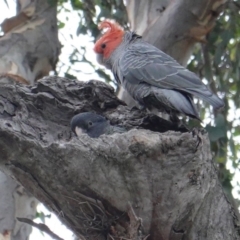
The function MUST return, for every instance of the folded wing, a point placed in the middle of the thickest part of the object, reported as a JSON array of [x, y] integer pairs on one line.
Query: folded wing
[[143, 62]]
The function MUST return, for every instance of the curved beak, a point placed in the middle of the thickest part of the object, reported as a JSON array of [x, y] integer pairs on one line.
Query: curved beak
[[79, 131], [100, 58]]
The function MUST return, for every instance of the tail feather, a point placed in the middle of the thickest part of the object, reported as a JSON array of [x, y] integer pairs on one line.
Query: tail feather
[[210, 98], [193, 85], [178, 101]]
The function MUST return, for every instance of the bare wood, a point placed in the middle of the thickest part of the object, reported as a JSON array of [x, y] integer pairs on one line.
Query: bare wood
[[12, 78], [172, 187]]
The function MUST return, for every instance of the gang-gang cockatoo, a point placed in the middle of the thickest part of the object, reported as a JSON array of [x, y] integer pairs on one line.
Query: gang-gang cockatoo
[[151, 77]]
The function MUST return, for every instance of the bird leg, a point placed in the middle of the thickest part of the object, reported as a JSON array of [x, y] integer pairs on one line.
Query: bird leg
[[173, 117]]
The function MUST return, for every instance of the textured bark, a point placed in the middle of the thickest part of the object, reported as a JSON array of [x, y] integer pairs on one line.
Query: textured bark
[[29, 49], [173, 26], [15, 202], [124, 185]]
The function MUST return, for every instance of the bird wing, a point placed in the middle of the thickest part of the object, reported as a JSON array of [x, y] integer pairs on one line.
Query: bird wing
[[143, 62]]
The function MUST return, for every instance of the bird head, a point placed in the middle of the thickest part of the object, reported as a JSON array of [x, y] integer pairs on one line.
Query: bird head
[[90, 123], [109, 41]]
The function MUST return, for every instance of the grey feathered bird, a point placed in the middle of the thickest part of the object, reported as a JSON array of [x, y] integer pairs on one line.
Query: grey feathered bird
[[151, 77], [93, 124]]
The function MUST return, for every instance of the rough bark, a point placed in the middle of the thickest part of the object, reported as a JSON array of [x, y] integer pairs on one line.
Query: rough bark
[[136, 184], [29, 49], [15, 202], [172, 26]]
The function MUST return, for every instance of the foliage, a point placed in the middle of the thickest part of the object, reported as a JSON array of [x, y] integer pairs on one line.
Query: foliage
[[218, 61], [42, 216], [90, 12]]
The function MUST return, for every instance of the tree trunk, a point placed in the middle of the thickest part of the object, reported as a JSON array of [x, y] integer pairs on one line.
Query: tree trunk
[[136, 184], [28, 51], [172, 26], [30, 46], [15, 202]]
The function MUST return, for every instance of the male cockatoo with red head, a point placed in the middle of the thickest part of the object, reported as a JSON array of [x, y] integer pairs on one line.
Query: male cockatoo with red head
[[151, 77]]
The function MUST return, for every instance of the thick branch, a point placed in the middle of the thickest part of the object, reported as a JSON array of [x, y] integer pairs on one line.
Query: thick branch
[[172, 189], [29, 49]]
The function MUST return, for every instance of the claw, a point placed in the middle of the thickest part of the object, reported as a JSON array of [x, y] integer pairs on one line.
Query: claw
[[198, 132]]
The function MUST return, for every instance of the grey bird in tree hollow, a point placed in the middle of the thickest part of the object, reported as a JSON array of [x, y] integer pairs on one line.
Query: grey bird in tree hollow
[[93, 124], [151, 77]]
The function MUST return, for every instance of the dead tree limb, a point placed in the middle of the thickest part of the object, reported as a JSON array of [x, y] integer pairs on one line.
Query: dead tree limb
[[172, 189]]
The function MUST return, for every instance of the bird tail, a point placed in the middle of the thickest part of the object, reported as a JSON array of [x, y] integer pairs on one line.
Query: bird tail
[[180, 102], [200, 90], [210, 98]]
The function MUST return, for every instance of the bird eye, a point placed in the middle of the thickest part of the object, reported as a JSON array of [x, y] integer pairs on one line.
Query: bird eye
[[90, 123], [103, 45]]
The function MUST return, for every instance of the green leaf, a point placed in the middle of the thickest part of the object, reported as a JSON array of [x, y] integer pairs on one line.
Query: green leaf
[[77, 5], [103, 75], [61, 25], [69, 76], [232, 147], [215, 133], [42, 216]]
